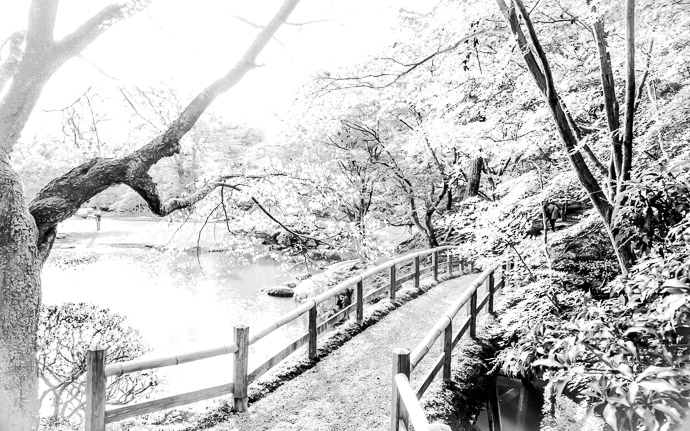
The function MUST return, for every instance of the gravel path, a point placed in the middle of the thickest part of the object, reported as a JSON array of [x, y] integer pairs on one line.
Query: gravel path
[[351, 388]]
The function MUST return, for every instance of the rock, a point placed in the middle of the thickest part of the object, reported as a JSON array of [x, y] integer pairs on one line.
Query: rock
[[280, 291], [302, 277], [290, 284]]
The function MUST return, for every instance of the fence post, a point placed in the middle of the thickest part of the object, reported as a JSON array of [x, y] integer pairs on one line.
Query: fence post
[[491, 292], [240, 368], [504, 269], [447, 351], [360, 301], [434, 262], [473, 315], [95, 388], [462, 266], [393, 283], [401, 364], [312, 332], [450, 263], [416, 271]]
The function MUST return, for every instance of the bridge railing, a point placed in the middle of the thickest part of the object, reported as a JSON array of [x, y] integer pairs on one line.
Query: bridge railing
[[98, 371], [405, 408]]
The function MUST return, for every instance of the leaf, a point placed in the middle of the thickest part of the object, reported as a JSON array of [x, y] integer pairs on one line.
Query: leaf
[[610, 416], [551, 363], [674, 282], [670, 412], [658, 386]]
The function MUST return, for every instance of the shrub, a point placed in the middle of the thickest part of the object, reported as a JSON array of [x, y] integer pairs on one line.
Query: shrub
[[65, 334]]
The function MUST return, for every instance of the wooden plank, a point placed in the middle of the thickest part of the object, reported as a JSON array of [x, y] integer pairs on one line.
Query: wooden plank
[[375, 293], [393, 283], [127, 412], [483, 302], [263, 368], [337, 317], [473, 315], [121, 368], [447, 351], [408, 398], [239, 372], [313, 334], [492, 289], [360, 302], [405, 278], [461, 332], [429, 376], [434, 265], [401, 365], [95, 389]]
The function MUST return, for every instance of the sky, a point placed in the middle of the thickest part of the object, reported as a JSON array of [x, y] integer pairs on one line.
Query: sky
[[186, 44]]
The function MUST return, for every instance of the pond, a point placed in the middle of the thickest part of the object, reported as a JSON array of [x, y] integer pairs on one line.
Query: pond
[[179, 302]]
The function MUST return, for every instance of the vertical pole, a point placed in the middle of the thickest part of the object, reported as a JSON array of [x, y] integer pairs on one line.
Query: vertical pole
[[491, 292], [504, 270], [393, 283], [473, 315], [450, 263], [401, 364], [240, 368], [434, 262], [447, 351], [462, 266], [312, 332], [95, 388], [360, 301], [416, 271]]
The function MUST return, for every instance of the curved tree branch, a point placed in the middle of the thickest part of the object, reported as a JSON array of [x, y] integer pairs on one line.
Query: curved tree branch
[[63, 196]]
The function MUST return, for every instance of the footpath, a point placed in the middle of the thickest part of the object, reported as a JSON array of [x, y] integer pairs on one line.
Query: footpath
[[350, 389]]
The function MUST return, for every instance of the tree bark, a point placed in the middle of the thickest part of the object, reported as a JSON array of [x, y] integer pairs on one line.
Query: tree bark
[[474, 176], [20, 286]]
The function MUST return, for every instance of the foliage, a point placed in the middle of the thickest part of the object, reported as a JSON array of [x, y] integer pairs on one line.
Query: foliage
[[66, 332], [623, 351]]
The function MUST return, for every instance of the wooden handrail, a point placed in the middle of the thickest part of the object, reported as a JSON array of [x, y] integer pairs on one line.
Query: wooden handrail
[[97, 416], [401, 384], [409, 399], [121, 368]]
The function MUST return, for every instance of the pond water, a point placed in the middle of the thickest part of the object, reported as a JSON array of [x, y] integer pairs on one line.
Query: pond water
[[178, 302]]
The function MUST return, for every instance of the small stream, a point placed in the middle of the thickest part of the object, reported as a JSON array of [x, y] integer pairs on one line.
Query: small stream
[[178, 303]]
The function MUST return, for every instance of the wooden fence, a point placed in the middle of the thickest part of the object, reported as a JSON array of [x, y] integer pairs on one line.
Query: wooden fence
[[406, 409], [98, 370]]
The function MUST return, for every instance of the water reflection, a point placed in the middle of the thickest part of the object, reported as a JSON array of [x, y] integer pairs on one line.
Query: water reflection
[[177, 304]]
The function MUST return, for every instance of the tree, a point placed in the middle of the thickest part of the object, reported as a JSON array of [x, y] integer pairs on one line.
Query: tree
[[29, 230], [608, 202]]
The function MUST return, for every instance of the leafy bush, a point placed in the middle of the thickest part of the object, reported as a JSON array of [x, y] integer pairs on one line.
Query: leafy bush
[[65, 334], [623, 352]]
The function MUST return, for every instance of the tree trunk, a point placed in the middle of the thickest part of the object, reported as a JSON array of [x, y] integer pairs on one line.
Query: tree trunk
[[430, 231], [474, 176], [20, 286]]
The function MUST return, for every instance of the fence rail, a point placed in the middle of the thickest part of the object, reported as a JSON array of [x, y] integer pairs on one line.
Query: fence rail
[[406, 409], [98, 371]]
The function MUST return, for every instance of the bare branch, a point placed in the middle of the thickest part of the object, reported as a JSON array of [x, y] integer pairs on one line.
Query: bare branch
[[15, 53], [75, 42]]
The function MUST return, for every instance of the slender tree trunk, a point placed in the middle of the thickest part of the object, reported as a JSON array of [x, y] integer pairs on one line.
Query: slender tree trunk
[[474, 177], [20, 286], [430, 231]]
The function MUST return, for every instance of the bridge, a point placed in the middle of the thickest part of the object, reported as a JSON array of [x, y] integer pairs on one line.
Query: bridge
[[373, 382]]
